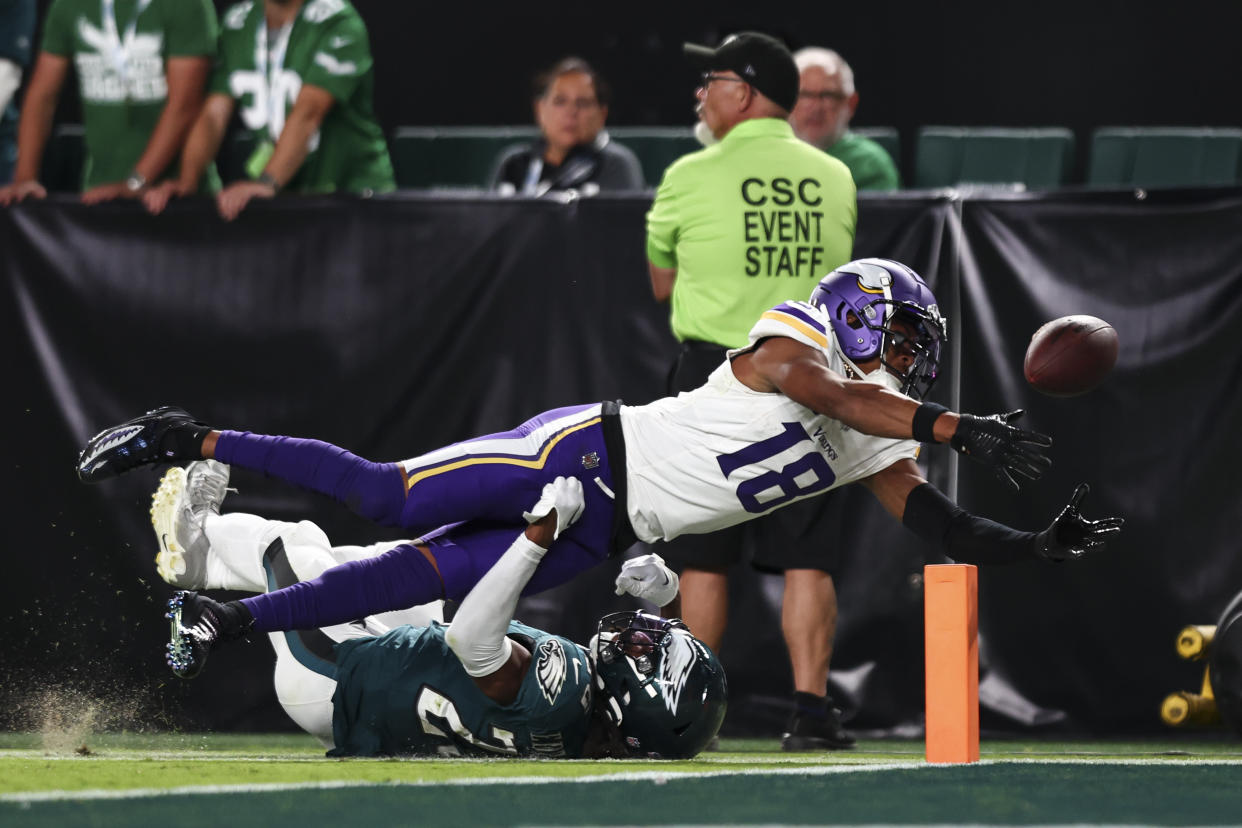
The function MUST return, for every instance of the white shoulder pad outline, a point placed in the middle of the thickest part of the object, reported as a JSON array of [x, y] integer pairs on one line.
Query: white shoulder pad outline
[[800, 321]]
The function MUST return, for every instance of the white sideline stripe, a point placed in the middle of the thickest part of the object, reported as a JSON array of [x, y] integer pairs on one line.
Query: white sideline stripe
[[807, 759], [657, 777]]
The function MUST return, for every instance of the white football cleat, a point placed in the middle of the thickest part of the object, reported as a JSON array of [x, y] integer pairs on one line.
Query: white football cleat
[[179, 511]]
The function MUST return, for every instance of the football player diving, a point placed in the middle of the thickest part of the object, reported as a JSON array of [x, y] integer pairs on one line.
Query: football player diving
[[827, 392], [482, 685]]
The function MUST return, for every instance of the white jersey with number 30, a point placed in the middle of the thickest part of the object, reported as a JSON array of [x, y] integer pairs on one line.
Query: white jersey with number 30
[[724, 453]]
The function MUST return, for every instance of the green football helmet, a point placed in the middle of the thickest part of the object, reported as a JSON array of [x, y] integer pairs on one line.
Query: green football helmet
[[665, 689]]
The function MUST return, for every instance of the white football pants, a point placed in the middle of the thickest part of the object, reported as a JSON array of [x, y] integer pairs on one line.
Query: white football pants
[[235, 560]]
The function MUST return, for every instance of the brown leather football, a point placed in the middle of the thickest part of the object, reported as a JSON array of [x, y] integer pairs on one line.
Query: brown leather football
[[1071, 355]]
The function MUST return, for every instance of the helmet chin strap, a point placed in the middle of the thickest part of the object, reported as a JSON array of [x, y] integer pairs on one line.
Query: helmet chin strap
[[885, 377]]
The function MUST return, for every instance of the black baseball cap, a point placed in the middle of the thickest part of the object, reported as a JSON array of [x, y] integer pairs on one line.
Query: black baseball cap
[[760, 60]]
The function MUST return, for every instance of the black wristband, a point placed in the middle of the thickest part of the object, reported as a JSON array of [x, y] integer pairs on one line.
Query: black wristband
[[268, 179], [924, 423]]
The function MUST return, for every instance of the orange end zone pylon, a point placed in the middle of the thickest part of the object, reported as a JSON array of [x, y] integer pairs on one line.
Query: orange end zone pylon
[[951, 651]]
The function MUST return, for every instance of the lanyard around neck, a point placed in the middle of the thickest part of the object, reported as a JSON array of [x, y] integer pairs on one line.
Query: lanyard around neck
[[120, 45], [270, 63]]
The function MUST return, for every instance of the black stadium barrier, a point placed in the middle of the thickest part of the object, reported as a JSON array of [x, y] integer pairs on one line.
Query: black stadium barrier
[[394, 325]]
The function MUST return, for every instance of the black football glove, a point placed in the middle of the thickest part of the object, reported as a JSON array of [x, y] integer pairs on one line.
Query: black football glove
[[1009, 450], [1071, 535]]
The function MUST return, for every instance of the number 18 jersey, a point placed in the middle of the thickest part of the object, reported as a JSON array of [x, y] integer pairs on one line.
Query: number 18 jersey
[[724, 453]]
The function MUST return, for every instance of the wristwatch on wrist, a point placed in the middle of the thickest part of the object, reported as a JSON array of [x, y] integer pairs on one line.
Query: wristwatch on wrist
[[268, 179], [136, 181]]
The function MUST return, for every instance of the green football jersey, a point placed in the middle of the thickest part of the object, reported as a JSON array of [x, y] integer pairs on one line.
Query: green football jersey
[[119, 48], [407, 693], [325, 46]]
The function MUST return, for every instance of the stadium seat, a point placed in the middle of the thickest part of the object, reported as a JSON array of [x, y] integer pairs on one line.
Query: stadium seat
[[63, 159], [1152, 157], [656, 147], [886, 137], [424, 157], [1035, 158]]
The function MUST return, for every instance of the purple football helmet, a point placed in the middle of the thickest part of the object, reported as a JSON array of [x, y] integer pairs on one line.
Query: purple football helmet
[[879, 291]]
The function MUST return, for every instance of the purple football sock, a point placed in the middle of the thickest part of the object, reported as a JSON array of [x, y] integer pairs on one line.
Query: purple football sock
[[395, 580], [373, 490]]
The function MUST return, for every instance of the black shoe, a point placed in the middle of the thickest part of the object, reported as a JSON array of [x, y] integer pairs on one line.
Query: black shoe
[[807, 732], [138, 442], [198, 625]]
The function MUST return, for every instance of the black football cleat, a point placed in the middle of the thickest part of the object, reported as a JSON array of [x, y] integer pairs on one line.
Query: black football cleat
[[199, 624], [138, 442], [807, 732], [195, 630]]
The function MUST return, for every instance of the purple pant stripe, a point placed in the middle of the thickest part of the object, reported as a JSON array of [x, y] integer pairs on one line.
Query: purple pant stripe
[[373, 490], [395, 580]]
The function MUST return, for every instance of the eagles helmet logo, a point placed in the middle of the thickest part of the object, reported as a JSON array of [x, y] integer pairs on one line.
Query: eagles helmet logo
[[551, 668], [675, 667]]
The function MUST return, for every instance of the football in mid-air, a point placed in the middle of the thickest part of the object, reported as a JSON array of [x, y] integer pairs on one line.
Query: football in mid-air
[[1071, 355]]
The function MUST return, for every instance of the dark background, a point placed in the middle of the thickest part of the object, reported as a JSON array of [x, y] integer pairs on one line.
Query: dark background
[[974, 63], [394, 325], [107, 312]]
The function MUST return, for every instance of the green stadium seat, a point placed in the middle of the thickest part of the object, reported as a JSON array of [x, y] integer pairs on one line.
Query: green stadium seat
[[424, 157], [1036, 158], [1152, 157], [656, 147], [887, 137], [63, 159]]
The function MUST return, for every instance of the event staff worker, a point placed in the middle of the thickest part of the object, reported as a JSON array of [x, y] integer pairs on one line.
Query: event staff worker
[[739, 227], [142, 67], [827, 101], [301, 74]]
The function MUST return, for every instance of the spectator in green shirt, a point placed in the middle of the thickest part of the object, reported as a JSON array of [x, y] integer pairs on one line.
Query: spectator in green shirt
[[142, 66], [827, 101], [301, 74]]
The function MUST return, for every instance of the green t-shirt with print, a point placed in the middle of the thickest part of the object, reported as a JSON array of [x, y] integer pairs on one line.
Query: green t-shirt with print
[[119, 59], [869, 163], [751, 222], [325, 46]]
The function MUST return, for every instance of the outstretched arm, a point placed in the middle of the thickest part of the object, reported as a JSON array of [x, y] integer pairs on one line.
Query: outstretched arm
[[478, 634], [801, 373], [968, 538]]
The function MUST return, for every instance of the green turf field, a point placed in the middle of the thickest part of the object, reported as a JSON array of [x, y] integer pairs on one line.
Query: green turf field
[[274, 780]]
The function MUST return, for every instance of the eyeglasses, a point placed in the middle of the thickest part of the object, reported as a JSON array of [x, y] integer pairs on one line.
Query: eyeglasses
[[708, 77], [837, 97], [579, 104]]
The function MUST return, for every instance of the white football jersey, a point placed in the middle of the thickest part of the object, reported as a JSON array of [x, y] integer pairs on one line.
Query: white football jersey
[[724, 453]]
